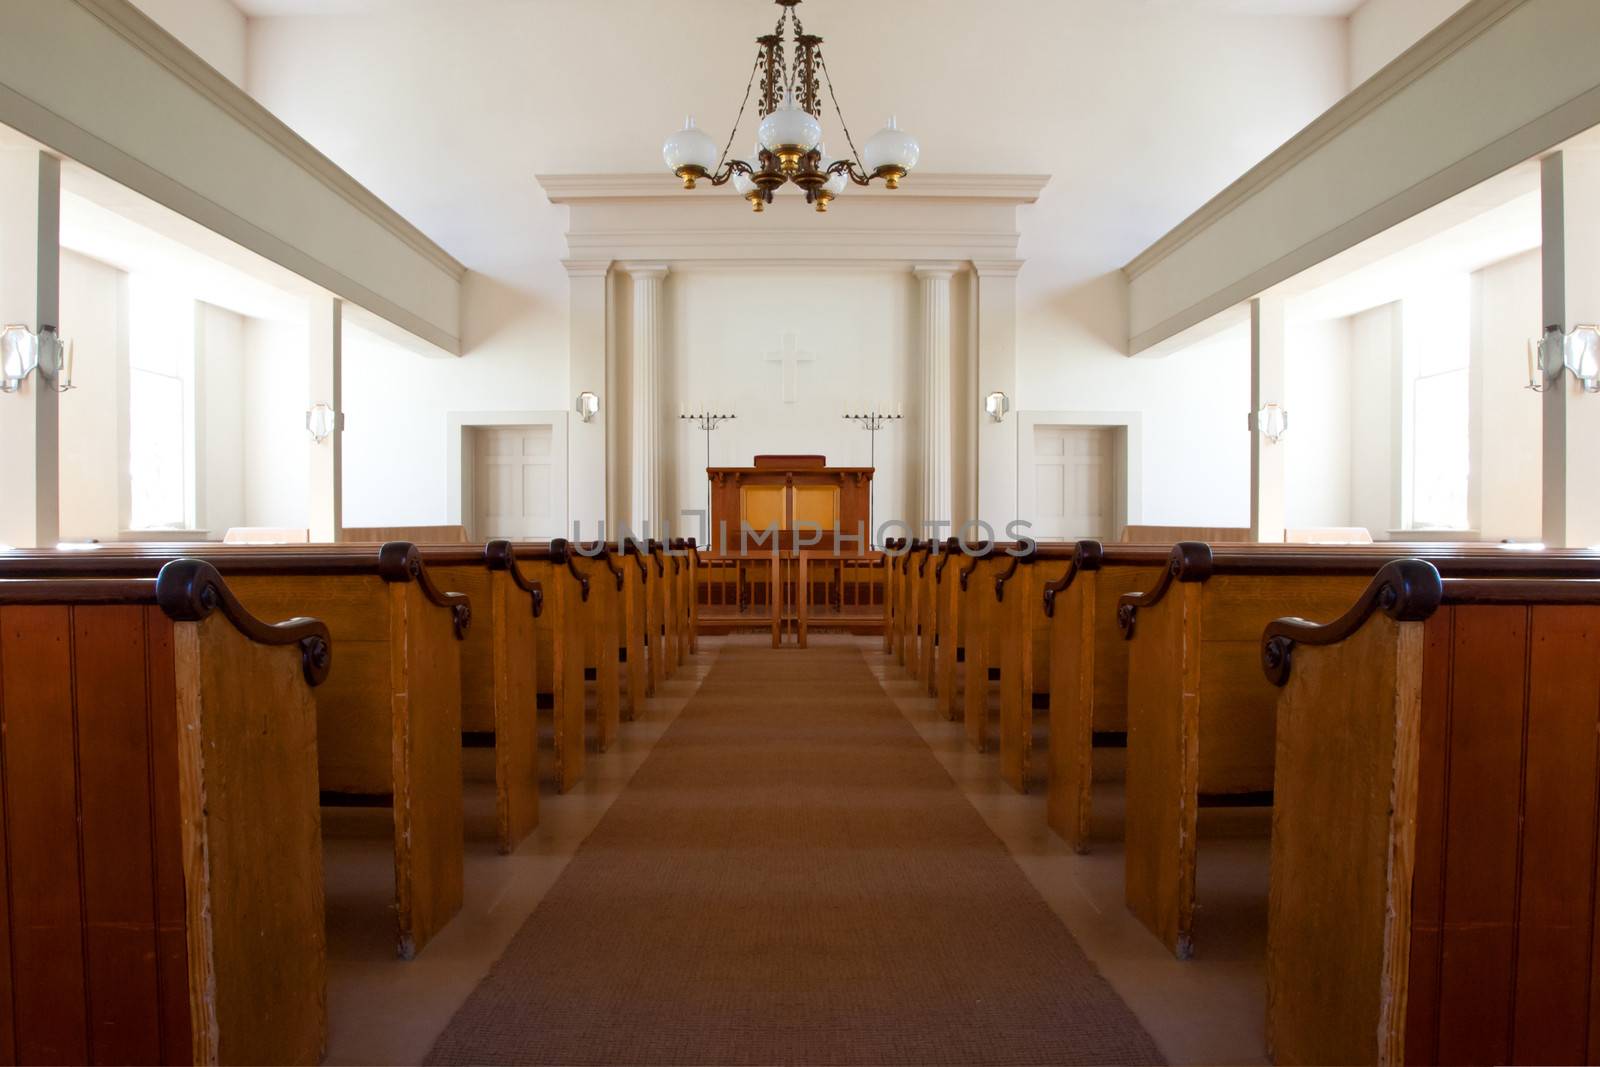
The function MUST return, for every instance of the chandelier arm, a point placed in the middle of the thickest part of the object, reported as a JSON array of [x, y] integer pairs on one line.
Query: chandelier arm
[[728, 169], [854, 154], [727, 148], [848, 168]]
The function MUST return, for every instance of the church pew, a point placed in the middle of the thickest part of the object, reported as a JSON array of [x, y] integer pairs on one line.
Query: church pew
[[691, 595], [910, 619], [925, 579], [499, 675], [975, 603], [949, 630], [602, 614], [1024, 659], [634, 621], [892, 547], [1433, 839], [1201, 717], [683, 596], [388, 721], [562, 634], [1088, 672], [663, 637], [161, 893]]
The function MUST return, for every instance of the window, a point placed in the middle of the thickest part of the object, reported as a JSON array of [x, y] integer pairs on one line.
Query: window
[[1436, 405], [160, 408]]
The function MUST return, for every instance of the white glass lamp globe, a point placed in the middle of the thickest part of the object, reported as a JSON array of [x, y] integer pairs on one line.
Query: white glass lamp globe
[[835, 184], [890, 152], [789, 133], [690, 153]]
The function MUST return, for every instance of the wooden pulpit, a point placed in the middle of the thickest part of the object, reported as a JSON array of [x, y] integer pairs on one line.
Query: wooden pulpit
[[789, 494]]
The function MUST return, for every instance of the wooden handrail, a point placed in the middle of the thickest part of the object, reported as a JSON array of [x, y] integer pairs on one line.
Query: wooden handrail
[[1407, 590]]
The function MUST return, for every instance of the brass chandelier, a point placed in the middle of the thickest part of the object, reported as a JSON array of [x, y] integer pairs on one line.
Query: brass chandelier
[[789, 144]]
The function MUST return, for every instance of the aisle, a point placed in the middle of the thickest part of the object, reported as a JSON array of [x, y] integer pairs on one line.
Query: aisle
[[792, 877]]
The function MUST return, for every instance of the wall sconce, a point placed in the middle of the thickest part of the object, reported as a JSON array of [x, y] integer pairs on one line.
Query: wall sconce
[[322, 421], [997, 404], [23, 351], [1578, 352], [1272, 421], [588, 406]]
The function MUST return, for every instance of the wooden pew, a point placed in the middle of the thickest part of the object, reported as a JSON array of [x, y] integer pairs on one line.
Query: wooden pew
[[1024, 656], [949, 630], [924, 578], [1433, 838], [693, 597], [635, 621], [1088, 672], [499, 675], [910, 618], [683, 586], [1201, 717], [602, 622], [893, 547], [388, 721], [162, 863], [975, 604], [563, 634]]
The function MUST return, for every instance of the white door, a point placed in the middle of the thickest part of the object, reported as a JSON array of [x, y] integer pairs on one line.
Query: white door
[[1074, 480], [519, 482]]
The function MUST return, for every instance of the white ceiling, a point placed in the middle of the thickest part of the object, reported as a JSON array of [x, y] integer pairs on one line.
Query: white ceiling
[[1313, 8]]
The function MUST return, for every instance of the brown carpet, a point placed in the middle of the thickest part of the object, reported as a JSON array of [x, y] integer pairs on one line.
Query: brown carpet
[[792, 877]]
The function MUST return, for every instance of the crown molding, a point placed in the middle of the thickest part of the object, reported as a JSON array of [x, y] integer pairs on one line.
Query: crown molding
[[149, 37], [1450, 37], [998, 188]]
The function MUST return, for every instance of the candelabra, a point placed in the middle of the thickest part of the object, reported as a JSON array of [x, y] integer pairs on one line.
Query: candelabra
[[707, 421], [873, 421]]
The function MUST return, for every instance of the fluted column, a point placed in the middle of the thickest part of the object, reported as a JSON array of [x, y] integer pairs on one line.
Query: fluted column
[[649, 344], [936, 388]]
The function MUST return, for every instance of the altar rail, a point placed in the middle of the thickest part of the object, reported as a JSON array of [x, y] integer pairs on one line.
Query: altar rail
[[791, 593]]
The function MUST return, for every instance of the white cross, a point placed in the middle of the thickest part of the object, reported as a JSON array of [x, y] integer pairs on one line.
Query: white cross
[[791, 357]]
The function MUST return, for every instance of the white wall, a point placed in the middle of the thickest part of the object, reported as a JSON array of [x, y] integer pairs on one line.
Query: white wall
[[1139, 119], [1382, 29], [276, 383], [1374, 413], [1507, 302], [219, 363], [1317, 467], [94, 317], [214, 30], [859, 330]]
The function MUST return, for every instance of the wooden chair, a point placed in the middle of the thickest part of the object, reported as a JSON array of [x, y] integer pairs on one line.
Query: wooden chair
[[1201, 718], [1433, 837], [388, 721], [162, 867]]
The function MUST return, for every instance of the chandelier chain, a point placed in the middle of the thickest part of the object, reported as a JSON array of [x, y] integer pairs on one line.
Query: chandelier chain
[[854, 154], [733, 133]]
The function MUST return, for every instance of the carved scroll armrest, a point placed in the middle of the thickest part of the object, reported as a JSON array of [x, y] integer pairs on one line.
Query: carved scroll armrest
[[1089, 555], [1027, 556], [401, 561], [502, 557], [966, 572], [189, 590], [1190, 561], [1406, 590], [561, 552], [604, 555], [656, 554]]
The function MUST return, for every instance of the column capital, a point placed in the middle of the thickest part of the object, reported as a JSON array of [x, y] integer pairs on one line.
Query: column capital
[[935, 270], [587, 268], [997, 268], [643, 270]]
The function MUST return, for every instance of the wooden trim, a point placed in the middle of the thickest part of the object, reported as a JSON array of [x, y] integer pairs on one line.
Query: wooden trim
[[149, 37], [1450, 37]]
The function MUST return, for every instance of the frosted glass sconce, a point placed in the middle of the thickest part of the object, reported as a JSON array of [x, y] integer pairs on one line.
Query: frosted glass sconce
[[23, 351], [1272, 421], [997, 404], [1577, 352], [322, 421], [588, 406]]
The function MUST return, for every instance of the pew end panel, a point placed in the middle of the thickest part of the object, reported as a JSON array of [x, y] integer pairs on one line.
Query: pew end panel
[[602, 614], [562, 641], [1455, 723], [189, 896]]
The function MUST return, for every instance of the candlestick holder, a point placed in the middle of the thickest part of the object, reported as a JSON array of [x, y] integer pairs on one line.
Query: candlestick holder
[[872, 421]]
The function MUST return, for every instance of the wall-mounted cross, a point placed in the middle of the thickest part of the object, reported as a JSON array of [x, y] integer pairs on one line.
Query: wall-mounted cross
[[791, 357]]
